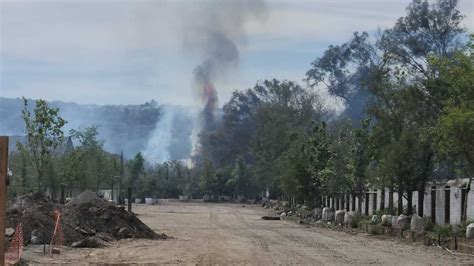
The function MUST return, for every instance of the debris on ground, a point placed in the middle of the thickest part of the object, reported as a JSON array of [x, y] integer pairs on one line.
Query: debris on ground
[[9, 232], [83, 217], [90, 242], [270, 218]]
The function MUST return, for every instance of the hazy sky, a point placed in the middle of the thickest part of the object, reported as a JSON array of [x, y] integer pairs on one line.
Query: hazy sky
[[125, 52]]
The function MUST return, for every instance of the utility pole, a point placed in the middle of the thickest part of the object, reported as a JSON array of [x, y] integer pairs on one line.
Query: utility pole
[[121, 178], [3, 194]]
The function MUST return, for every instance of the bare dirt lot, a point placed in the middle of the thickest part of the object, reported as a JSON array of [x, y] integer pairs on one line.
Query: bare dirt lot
[[206, 233]]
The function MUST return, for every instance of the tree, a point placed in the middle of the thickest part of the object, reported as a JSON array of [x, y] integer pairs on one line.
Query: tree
[[136, 169], [427, 29], [317, 150], [208, 178], [344, 70], [339, 169], [296, 179], [241, 178], [91, 156], [360, 159], [44, 134], [20, 165], [455, 131], [72, 168], [286, 112]]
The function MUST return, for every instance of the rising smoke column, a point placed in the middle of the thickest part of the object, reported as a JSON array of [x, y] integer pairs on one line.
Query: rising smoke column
[[213, 35], [222, 54]]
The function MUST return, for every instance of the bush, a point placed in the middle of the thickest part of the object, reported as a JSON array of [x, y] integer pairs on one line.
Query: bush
[[363, 221], [375, 230], [355, 221], [461, 230], [429, 225], [444, 231]]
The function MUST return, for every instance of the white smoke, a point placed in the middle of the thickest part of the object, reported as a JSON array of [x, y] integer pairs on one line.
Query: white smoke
[[158, 147]]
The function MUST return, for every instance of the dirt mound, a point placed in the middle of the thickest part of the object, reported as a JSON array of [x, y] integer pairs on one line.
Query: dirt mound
[[79, 221], [86, 196], [36, 213], [92, 218]]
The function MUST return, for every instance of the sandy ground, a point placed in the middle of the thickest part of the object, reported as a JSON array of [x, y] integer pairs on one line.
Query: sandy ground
[[206, 233]]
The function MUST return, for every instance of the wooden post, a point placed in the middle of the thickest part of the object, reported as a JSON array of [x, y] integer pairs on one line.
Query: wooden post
[[3, 194], [129, 199]]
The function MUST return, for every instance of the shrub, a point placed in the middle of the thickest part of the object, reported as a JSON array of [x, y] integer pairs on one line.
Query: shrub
[[444, 231], [355, 221], [429, 225]]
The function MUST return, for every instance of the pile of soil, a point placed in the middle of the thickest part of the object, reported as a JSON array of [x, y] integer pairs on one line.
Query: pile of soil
[[36, 213], [86, 196], [87, 216], [106, 221]]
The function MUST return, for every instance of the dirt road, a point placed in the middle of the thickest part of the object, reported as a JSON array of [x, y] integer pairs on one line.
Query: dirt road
[[232, 234]]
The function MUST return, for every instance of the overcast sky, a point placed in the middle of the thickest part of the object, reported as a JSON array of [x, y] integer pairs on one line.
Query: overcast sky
[[127, 52]]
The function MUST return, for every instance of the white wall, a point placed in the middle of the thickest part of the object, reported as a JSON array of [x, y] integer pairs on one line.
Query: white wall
[[470, 205], [455, 202]]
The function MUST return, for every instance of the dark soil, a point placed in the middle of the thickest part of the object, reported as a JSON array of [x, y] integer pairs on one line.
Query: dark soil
[[79, 221]]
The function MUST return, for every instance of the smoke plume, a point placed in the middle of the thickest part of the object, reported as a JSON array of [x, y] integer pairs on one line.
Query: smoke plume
[[214, 33]]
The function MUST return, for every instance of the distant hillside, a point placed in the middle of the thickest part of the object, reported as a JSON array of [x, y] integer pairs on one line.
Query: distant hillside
[[122, 127]]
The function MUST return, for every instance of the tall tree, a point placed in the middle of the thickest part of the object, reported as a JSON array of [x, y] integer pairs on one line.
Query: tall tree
[[455, 129], [136, 169], [44, 134], [344, 70]]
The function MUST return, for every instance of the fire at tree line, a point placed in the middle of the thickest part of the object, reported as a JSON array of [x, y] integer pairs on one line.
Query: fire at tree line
[[408, 93]]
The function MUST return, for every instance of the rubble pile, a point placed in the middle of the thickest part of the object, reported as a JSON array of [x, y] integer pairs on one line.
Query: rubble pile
[[301, 212], [85, 217]]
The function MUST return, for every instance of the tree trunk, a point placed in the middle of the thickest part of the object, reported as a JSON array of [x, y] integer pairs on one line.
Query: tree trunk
[[464, 204], [421, 200], [382, 199], [367, 201], [52, 181], [40, 181], [348, 202], [400, 201], [410, 202], [112, 193], [353, 207], [359, 201], [343, 202]]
